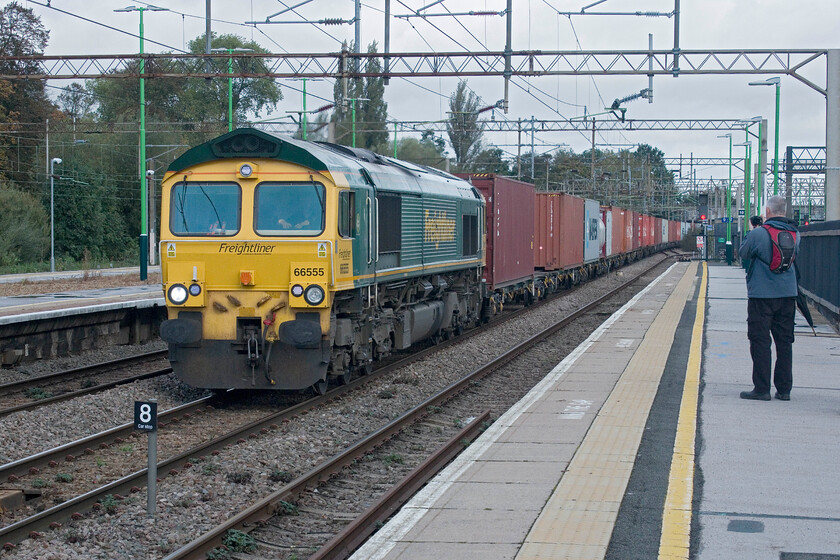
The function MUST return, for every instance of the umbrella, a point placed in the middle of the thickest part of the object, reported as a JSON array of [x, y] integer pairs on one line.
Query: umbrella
[[802, 304]]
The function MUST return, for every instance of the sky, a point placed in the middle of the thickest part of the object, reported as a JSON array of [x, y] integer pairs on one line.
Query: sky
[[704, 24]]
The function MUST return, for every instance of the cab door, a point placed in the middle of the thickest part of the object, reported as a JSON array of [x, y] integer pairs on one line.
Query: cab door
[[364, 239]]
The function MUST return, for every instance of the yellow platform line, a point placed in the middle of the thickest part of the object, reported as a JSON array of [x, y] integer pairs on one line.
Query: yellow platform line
[[676, 517], [578, 519]]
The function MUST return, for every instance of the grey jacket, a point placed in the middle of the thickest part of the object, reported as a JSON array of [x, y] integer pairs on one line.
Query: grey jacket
[[761, 283]]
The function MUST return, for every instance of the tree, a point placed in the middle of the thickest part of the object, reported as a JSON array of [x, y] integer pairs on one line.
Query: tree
[[463, 128], [24, 229], [76, 102], [191, 99], [22, 101], [491, 160], [428, 150], [373, 112]]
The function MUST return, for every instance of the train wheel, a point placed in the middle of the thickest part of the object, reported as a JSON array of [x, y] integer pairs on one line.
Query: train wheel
[[320, 387], [346, 376]]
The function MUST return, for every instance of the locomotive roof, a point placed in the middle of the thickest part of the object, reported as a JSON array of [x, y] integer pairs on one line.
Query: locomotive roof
[[361, 167]]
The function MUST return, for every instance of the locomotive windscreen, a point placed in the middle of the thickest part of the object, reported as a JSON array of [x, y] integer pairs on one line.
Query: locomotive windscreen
[[289, 209], [205, 209]]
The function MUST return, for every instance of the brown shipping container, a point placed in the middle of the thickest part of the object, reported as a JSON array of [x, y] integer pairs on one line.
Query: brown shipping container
[[558, 231], [510, 233], [657, 231]]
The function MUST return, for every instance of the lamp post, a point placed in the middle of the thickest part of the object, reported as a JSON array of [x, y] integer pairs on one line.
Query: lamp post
[[230, 78], [729, 203], [748, 167], [747, 177], [774, 81], [144, 222], [304, 120], [53, 163], [353, 112]]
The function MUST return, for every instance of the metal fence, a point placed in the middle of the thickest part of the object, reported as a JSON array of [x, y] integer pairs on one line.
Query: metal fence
[[819, 266]]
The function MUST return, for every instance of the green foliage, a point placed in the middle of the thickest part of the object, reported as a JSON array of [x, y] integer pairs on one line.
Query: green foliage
[[490, 160], [64, 477], [21, 33], [24, 228], [373, 135], [192, 99], [110, 504], [239, 477], [278, 475], [218, 554], [210, 469], [237, 541], [287, 508], [40, 483], [465, 132], [37, 393], [429, 150], [393, 459]]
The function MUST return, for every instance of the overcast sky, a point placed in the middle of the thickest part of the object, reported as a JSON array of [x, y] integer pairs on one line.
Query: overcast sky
[[704, 24]]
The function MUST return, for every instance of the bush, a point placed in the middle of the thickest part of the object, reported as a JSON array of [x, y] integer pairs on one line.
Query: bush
[[24, 228]]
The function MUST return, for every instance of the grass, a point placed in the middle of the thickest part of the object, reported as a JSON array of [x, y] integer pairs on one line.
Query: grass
[[37, 393], [393, 459]]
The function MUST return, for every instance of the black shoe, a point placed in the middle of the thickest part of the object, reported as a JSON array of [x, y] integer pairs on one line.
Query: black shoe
[[754, 396], [782, 396]]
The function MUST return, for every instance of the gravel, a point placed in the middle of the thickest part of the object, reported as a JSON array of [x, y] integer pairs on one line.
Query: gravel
[[220, 486]]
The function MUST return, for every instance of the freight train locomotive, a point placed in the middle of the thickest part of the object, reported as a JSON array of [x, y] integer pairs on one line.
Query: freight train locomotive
[[286, 263], [289, 264]]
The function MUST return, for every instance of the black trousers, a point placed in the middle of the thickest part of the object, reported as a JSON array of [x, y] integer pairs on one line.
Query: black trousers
[[765, 317]]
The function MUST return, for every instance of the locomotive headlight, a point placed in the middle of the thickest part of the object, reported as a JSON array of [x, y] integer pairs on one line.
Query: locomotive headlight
[[246, 170], [314, 295], [177, 294], [195, 289]]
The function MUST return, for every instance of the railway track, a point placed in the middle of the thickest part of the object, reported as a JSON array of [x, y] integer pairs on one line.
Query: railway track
[[56, 387], [260, 514], [133, 482]]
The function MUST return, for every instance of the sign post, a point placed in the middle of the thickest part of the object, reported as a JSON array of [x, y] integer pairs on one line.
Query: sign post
[[145, 419]]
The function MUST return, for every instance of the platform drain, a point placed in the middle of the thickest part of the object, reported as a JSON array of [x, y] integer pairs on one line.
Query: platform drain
[[745, 526]]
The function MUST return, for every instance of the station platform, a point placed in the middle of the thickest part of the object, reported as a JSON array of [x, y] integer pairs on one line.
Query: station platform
[[637, 446], [37, 326]]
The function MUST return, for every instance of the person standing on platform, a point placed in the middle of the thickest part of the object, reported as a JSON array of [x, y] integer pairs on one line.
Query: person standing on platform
[[771, 306]]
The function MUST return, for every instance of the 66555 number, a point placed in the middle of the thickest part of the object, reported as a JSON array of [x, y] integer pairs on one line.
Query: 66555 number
[[309, 271]]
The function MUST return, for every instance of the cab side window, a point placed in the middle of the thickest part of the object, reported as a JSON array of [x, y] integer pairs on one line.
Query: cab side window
[[347, 214]]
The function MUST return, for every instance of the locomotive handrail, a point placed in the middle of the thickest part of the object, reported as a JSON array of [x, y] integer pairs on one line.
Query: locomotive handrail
[[376, 252], [370, 225]]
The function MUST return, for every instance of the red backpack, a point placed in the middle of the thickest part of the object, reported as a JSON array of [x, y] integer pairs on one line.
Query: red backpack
[[783, 248]]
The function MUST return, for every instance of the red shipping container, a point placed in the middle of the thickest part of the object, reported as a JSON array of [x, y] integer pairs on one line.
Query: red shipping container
[[558, 231], [657, 231], [647, 231], [638, 220], [619, 235], [510, 236], [674, 231]]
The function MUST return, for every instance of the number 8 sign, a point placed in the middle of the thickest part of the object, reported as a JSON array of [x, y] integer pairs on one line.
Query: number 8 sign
[[145, 416]]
